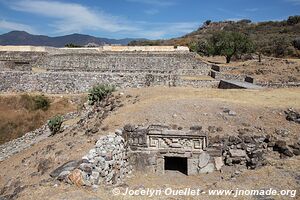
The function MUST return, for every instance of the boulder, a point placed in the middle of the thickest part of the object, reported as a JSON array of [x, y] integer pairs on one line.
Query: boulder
[[63, 175], [207, 169], [231, 113], [292, 115], [203, 159], [288, 153], [196, 128], [218, 163], [76, 177], [237, 153], [129, 128], [296, 152], [68, 166], [280, 146]]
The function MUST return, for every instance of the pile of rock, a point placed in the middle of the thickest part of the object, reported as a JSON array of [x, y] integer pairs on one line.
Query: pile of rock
[[292, 115], [245, 150], [250, 150], [284, 149], [107, 163]]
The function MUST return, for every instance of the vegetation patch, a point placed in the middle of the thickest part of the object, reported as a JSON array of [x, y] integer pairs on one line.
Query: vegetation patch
[[37, 102], [55, 123], [99, 92]]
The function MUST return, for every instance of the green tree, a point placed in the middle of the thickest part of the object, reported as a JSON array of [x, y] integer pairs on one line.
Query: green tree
[[229, 44]]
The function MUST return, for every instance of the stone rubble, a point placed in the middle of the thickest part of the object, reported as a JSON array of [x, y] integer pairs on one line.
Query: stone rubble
[[251, 150], [292, 115], [107, 163]]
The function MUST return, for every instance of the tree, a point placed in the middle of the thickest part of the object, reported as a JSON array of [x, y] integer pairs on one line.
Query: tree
[[292, 20], [229, 44], [199, 47]]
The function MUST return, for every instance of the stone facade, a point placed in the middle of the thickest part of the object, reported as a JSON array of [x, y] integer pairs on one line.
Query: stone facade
[[150, 148]]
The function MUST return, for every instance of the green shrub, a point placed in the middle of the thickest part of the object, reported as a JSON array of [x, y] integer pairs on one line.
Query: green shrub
[[35, 102], [41, 102], [55, 123], [99, 92]]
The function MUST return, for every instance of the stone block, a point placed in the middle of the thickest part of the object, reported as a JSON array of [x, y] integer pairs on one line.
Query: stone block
[[207, 169], [203, 159]]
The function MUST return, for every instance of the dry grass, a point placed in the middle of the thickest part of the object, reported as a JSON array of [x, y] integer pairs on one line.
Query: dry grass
[[16, 119]]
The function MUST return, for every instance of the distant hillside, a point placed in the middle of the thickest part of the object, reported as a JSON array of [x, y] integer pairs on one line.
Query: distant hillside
[[24, 38], [270, 37]]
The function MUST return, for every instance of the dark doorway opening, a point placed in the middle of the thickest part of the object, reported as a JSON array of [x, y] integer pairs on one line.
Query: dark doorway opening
[[176, 164]]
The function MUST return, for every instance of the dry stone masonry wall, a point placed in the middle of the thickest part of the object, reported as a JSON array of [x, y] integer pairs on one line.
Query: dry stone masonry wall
[[64, 70]]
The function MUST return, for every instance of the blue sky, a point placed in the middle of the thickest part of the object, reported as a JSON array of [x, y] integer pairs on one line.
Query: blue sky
[[153, 19]]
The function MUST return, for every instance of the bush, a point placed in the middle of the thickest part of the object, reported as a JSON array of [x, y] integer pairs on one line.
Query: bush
[[35, 102], [280, 46], [55, 123], [99, 92], [41, 102], [296, 43]]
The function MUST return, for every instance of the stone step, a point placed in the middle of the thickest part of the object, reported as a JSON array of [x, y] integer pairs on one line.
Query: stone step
[[234, 84]]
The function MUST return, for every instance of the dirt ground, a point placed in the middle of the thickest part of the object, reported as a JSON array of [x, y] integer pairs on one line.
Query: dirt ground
[[270, 70], [260, 110]]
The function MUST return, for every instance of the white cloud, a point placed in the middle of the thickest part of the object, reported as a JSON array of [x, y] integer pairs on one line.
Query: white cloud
[[155, 2], [12, 26], [161, 30], [72, 17], [66, 18]]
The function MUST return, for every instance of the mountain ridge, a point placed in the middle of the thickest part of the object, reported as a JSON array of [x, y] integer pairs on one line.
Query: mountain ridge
[[24, 38]]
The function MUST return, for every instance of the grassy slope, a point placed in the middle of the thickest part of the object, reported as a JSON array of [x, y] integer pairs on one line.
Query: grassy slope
[[15, 119]]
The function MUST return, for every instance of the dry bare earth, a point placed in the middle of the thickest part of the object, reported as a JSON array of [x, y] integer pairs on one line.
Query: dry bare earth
[[262, 111], [270, 70]]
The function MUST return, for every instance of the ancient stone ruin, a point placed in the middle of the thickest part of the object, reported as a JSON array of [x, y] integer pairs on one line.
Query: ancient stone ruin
[[67, 70], [159, 148], [63, 70]]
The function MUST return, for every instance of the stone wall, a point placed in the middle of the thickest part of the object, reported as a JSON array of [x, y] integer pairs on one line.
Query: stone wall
[[102, 48], [106, 163], [73, 82], [76, 70]]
